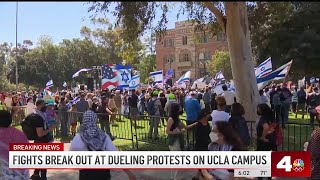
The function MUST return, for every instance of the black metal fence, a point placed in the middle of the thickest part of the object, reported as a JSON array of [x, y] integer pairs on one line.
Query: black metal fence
[[141, 129]]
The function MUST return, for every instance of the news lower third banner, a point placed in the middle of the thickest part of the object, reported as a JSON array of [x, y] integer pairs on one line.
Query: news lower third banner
[[244, 163]]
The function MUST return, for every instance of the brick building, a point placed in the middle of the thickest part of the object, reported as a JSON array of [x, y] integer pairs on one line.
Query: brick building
[[184, 48]]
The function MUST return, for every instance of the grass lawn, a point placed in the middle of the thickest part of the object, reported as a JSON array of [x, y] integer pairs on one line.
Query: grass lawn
[[127, 136]]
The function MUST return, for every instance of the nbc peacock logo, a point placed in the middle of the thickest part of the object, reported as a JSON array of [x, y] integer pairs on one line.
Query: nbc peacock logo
[[298, 165]]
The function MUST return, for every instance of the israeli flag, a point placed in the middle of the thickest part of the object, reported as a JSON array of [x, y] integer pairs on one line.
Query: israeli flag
[[49, 83], [157, 76], [65, 84], [134, 82], [219, 76], [264, 68], [277, 74], [184, 78]]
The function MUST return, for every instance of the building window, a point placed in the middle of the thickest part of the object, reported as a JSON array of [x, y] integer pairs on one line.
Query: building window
[[172, 58], [221, 37], [168, 43], [185, 57], [207, 55], [184, 40], [204, 39]]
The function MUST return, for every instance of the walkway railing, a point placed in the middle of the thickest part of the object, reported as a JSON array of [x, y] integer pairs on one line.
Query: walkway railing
[[138, 130]]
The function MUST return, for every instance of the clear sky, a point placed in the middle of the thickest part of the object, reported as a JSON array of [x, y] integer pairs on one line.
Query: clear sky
[[59, 20]]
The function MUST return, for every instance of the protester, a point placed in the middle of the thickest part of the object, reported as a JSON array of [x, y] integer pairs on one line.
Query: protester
[[314, 148], [266, 136], [125, 104], [294, 103], [153, 108], [113, 108], [91, 138], [286, 103], [192, 108], [230, 97], [133, 105], [167, 107], [220, 114], [163, 101], [10, 135], [51, 117], [82, 106], [223, 138], [277, 105], [73, 119], [313, 101], [239, 123], [302, 95], [63, 117], [175, 129], [263, 98], [103, 115], [42, 130], [207, 99], [202, 130], [30, 106], [117, 100]]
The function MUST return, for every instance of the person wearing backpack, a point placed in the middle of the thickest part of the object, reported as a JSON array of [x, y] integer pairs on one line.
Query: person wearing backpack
[[91, 138], [153, 108], [41, 129], [313, 101]]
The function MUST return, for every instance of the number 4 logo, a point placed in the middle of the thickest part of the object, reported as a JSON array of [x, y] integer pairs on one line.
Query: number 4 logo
[[285, 163]]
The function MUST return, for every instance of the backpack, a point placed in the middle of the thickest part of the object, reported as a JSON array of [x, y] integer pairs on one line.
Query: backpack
[[27, 126], [151, 109]]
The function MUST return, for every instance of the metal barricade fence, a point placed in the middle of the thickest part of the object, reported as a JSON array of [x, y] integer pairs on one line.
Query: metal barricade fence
[[138, 129]]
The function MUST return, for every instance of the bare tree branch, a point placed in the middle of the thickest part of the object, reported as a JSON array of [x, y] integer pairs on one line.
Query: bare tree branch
[[220, 18]]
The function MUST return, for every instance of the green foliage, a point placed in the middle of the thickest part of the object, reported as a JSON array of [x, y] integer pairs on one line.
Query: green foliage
[[286, 31], [147, 65], [220, 62], [102, 45]]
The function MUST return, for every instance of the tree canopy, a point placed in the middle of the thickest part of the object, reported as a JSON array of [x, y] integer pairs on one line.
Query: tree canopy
[[220, 62]]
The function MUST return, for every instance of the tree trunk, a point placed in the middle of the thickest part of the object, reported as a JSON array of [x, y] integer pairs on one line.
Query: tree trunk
[[238, 36]]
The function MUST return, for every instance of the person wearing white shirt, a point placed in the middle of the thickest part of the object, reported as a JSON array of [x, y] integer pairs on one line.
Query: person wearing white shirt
[[8, 102], [92, 138], [220, 114], [30, 106], [230, 97]]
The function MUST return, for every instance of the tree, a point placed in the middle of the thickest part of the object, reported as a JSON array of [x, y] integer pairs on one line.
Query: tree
[[134, 18], [220, 62], [288, 31], [147, 65]]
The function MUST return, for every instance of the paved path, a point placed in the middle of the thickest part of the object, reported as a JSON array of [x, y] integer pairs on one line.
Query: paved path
[[120, 175]]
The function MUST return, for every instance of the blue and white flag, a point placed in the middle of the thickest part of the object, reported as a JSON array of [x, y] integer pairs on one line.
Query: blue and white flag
[[157, 76], [134, 83], [49, 83], [264, 68], [219, 76], [198, 81], [65, 84], [81, 70], [74, 101], [185, 78], [213, 82], [277, 74]]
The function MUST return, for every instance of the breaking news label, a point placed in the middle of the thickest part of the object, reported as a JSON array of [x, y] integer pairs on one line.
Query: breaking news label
[[244, 163]]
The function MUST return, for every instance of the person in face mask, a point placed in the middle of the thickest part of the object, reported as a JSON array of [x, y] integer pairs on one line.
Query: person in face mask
[[223, 138], [43, 131]]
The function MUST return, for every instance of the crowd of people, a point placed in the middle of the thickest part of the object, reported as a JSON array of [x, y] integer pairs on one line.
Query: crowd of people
[[68, 113]]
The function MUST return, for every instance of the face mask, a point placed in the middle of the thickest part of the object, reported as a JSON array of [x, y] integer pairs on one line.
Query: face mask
[[43, 109], [213, 137]]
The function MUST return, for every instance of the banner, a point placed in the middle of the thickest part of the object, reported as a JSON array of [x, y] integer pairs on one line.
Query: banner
[[81, 70], [115, 76]]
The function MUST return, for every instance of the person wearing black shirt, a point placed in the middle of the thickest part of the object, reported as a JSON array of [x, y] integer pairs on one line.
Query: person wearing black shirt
[[313, 101], [133, 104], [42, 130], [202, 131]]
